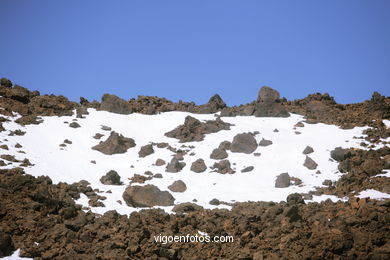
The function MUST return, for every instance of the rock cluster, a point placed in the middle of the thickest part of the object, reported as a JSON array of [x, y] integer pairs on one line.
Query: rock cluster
[[115, 143]]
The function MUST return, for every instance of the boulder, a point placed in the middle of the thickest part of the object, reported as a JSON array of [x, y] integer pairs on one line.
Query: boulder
[[198, 166], [111, 178], [147, 196], [115, 104], [268, 104], [218, 154], [115, 143], [223, 167], [282, 180], [187, 207], [340, 154], [178, 186], [308, 150], [159, 162], [265, 142], [146, 150], [310, 163], [4, 82], [243, 143], [175, 165]]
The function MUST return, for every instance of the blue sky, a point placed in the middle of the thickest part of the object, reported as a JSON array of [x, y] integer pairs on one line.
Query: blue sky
[[190, 50]]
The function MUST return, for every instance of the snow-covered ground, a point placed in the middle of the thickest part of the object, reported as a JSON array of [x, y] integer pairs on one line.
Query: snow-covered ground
[[73, 163]]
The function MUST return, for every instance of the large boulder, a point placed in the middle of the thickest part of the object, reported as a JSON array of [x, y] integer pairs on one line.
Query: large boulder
[[146, 150], [218, 154], [147, 196], [195, 130], [4, 82], [310, 163], [198, 166], [282, 180], [111, 178], [339, 154], [115, 143], [115, 104], [268, 104], [178, 186], [243, 143]]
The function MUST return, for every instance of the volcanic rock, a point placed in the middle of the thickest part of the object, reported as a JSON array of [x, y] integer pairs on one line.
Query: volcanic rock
[[114, 144], [265, 142], [223, 167], [195, 130], [178, 186], [111, 178], [218, 154], [146, 150], [175, 165], [147, 196], [248, 169], [340, 154], [310, 163], [243, 143], [74, 125], [198, 166], [4, 82], [159, 162], [308, 150], [282, 180], [268, 104], [115, 104], [186, 207]]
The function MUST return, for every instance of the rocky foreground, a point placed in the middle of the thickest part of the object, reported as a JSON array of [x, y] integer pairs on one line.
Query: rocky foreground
[[42, 220]]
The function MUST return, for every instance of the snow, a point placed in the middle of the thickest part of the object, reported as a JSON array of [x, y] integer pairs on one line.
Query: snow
[[15, 256], [41, 146], [373, 194]]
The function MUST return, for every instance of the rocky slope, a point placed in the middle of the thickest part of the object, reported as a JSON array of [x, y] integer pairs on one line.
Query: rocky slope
[[239, 155]]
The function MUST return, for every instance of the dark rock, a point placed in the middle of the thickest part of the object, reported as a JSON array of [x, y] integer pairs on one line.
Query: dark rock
[[340, 154], [147, 196], [265, 142], [295, 198], [268, 104], [195, 130], [74, 125], [115, 143], [223, 167], [4, 82], [198, 166], [146, 150], [6, 244], [66, 141], [243, 143], [178, 186], [158, 176], [218, 154], [248, 169], [225, 145], [310, 163], [282, 180], [114, 104], [111, 178], [159, 162], [214, 202], [175, 165], [327, 183], [98, 136], [308, 150]]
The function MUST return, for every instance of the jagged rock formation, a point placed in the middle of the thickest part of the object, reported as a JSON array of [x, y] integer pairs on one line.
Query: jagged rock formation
[[115, 143], [195, 130]]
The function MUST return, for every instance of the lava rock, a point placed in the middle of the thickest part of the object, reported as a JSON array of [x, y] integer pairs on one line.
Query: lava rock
[[282, 180], [175, 165], [115, 144], [146, 150], [308, 150], [74, 125], [147, 196], [223, 167], [243, 143], [178, 186], [265, 142], [310, 163], [248, 169], [218, 154], [115, 104], [111, 178], [198, 166]]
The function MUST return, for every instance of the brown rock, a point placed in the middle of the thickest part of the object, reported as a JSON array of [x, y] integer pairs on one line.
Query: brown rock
[[115, 144], [198, 166], [178, 186], [147, 196]]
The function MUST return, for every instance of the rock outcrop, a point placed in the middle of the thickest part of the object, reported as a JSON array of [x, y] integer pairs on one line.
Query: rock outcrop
[[115, 143], [147, 196], [243, 143]]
